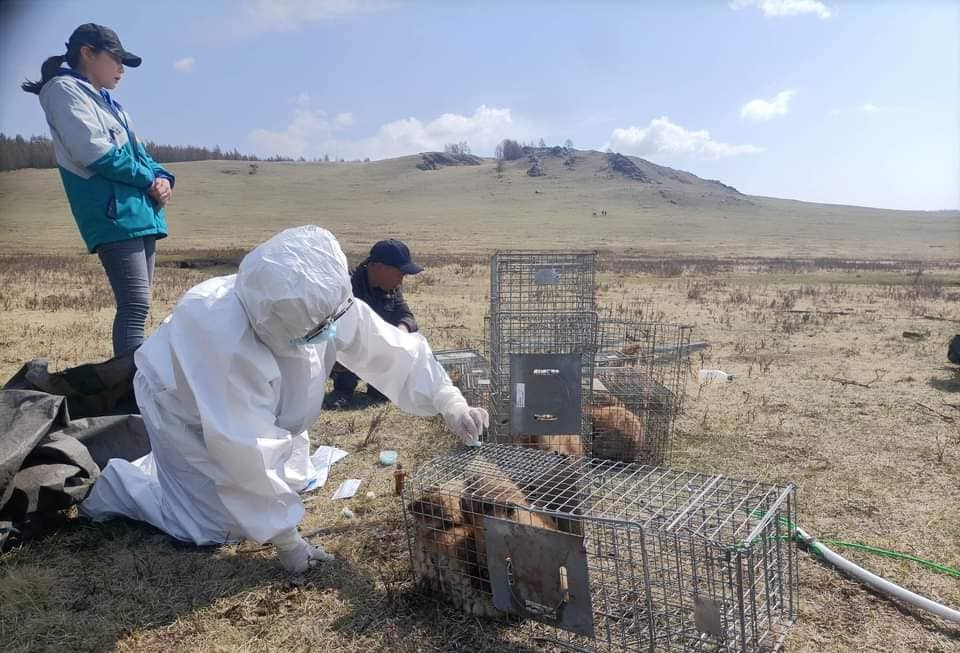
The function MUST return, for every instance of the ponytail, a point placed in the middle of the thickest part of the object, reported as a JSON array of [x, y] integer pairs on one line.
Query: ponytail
[[49, 70]]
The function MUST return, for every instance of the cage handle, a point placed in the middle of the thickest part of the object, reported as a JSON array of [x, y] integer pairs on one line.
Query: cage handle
[[545, 417], [532, 607]]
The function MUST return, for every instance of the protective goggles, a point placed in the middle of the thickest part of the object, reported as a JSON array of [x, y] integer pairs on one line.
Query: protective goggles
[[318, 330]]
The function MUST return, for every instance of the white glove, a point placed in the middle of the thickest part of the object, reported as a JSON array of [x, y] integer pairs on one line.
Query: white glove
[[467, 423], [296, 554]]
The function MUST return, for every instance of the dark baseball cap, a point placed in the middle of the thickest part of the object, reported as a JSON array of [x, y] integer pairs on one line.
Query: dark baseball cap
[[395, 253], [102, 38]]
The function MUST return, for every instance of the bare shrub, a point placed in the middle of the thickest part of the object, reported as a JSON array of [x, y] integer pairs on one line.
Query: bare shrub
[[695, 292], [509, 150], [456, 149]]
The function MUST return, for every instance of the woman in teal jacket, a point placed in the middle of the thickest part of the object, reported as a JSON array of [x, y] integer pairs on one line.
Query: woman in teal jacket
[[116, 191]]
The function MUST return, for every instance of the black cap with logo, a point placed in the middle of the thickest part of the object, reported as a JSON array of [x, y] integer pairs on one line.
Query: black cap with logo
[[395, 253], [102, 38]]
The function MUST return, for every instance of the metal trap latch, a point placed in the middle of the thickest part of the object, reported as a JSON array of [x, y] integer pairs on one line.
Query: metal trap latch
[[540, 574], [545, 394]]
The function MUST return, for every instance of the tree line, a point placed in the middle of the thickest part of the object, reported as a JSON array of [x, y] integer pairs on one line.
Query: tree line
[[37, 152]]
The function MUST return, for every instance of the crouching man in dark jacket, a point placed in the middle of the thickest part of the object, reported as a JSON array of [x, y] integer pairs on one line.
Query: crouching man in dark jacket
[[377, 281]]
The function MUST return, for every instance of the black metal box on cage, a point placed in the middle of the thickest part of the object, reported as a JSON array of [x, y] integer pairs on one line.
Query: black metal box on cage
[[604, 556]]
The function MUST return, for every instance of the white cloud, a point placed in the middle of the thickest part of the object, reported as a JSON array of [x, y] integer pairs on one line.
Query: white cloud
[[779, 8], [184, 65], [307, 126], [482, 130], [290, 15], [869, 108], [760, 109], [664, 138], [312, 134], [344, 120]]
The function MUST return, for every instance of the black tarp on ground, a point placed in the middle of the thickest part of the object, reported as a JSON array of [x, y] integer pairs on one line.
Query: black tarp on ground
[[91, 390], [49, 461]]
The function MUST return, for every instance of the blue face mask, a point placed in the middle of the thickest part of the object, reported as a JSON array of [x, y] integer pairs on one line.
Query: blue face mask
[[324, 336], [323, 332]]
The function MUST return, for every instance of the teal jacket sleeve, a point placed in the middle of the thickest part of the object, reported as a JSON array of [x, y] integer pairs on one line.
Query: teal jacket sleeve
[[121, 166], [158, 170]]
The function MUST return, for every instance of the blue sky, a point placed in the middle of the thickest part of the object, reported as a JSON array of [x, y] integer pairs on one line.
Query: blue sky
[[834, 101]]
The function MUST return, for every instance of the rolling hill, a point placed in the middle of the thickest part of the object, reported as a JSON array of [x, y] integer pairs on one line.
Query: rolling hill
[[580, 199]]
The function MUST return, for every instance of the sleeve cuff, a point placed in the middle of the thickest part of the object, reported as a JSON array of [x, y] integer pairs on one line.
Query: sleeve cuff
[[166, 175], [286, 540], [448, 399]]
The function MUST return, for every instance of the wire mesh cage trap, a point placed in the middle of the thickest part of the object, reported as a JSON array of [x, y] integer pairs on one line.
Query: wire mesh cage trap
[[541, 372], [523, 281], [603, 556], [469, 370], [638, 389], [566, 381]]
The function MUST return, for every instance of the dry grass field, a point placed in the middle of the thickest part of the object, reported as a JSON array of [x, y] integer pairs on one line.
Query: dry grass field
[[792, 303]]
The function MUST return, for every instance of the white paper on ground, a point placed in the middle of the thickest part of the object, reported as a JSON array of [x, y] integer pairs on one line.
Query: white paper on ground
[[347, 489], [322, 459]]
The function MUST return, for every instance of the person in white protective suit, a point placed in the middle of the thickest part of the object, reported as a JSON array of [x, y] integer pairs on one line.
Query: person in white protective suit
[[232, 379]]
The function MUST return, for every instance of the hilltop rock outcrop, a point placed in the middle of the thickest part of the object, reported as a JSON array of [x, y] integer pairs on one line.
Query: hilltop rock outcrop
[[437, 160], [627, 168]]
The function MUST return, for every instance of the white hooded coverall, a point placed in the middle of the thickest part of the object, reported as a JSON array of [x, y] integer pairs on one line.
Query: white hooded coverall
[[227, 399]]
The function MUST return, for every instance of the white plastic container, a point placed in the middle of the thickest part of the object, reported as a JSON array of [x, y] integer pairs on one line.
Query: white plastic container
[[714, 375]]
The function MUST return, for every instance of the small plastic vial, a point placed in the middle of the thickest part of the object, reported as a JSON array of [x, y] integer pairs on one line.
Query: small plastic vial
[[399, 476]]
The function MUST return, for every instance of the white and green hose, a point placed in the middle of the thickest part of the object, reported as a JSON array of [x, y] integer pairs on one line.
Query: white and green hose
[[882, 585]]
